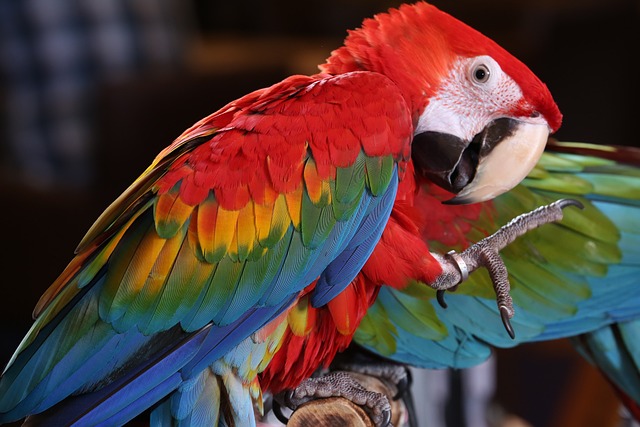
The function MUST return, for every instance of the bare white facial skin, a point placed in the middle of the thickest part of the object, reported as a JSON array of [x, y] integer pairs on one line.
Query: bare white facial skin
[[475, 93]]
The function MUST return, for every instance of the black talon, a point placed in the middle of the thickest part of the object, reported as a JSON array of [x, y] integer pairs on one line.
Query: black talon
[[504, 313], [440, 298], [287, 398], [404, 385], [277, 411], [563, 203], [386, 420]]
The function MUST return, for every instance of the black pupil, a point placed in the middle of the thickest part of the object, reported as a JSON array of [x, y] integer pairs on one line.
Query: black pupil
[[481, 74]]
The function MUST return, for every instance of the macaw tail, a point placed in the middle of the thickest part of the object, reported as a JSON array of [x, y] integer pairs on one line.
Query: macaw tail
[[578, 278], [211, 398], [615, 350]]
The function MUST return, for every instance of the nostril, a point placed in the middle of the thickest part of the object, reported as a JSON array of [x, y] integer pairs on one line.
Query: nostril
[[534, 115]]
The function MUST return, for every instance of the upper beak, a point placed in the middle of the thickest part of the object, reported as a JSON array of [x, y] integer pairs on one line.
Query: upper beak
[[493, 162]]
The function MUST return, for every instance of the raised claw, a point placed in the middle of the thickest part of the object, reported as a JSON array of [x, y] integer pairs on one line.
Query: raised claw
[[440, 298], [486, 253], [563, 203], [504, 314]]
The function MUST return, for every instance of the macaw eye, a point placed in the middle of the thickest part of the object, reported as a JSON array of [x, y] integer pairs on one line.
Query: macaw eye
[[480, 73]]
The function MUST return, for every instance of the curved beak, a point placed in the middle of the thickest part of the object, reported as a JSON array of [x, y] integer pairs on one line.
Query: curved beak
[[493, 162]]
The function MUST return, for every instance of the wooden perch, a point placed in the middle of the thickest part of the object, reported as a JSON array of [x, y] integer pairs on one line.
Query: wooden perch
[[333, 411], [338, 411]]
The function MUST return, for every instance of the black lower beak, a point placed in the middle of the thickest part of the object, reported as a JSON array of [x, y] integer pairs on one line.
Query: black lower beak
[[445, 159], [451, 162]]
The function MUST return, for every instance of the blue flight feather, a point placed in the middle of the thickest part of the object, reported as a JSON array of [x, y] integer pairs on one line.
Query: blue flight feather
[[344, 268]]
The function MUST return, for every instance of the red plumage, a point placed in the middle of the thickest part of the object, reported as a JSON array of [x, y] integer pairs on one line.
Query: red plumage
[[232, 163], [301, 355], [394, 44], [237, 185]]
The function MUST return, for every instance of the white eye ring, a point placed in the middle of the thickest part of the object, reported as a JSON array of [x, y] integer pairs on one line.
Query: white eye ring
[[480, 73], [483, 71]]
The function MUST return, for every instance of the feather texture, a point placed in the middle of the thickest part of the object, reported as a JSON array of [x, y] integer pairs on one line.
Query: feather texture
[[576, 278], [239, 249], [215, 240]]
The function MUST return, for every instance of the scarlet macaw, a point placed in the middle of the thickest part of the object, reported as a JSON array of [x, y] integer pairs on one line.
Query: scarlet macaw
[[577, 278], [260, 214]]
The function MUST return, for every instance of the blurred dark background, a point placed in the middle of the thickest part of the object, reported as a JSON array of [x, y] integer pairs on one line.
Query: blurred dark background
[[90, 91]]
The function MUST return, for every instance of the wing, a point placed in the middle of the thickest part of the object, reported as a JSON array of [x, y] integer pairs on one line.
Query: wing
[[569, 278], [218, 237]]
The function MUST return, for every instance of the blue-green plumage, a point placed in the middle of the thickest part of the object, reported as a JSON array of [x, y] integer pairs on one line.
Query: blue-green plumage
[[192, 261], [578, 278]]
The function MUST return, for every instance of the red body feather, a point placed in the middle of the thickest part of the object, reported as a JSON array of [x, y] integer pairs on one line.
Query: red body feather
[[302, 354], [232, 162], [400, 257], [394, 45]]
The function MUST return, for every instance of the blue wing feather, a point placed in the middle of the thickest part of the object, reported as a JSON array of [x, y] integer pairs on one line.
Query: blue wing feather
[[348, 263], [602, 302], [121, 360], [614, 349]]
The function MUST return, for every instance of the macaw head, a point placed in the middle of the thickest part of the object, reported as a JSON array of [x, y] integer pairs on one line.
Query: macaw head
[[481, 117]]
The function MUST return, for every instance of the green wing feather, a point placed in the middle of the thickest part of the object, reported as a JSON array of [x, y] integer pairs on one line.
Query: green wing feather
[[197, 241], [561, 274]]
